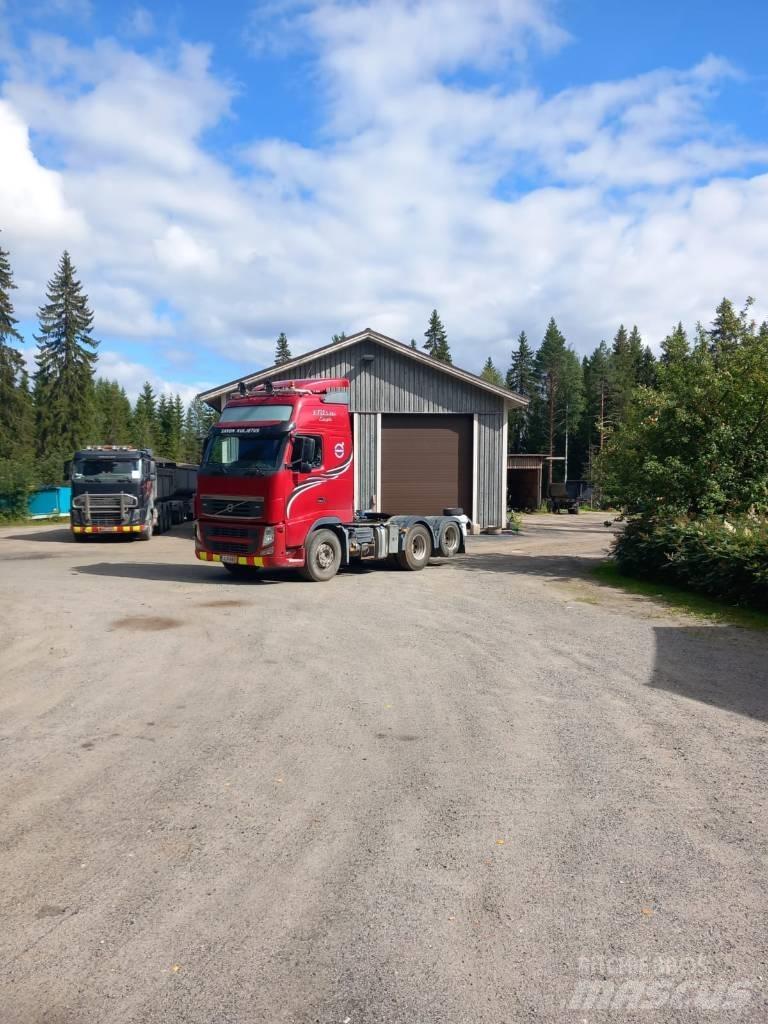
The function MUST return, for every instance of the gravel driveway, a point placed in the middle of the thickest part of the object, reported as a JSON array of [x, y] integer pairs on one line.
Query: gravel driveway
[[492, 791]]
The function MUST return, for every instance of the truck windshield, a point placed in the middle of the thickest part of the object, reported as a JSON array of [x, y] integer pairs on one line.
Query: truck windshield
[[106, 470], [241, 454]]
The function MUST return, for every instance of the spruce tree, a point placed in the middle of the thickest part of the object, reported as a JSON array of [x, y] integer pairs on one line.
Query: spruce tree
[[145, 429], [65, 358], [623, 377], [413, 343], [338, 338], [436, 343], [282, 350], [199, 420], [521, 378], [491, 374], [558, 397], [113, 413], [675, 346], [11, 366]]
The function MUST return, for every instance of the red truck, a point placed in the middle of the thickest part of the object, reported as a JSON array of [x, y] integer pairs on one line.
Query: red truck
[[275, 490]]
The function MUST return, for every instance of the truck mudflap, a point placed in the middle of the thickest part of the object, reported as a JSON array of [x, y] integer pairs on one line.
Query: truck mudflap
[[107, 529]]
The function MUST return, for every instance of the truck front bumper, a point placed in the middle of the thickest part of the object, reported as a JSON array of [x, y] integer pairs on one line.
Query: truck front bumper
[[108, 529]]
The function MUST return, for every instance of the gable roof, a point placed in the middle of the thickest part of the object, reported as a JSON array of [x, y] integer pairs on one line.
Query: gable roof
[[285, 369]]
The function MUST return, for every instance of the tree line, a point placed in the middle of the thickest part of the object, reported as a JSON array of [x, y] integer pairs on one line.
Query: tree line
[[64, 405]]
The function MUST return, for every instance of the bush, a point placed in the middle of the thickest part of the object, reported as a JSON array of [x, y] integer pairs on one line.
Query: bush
[[16, 484], [725, 559]]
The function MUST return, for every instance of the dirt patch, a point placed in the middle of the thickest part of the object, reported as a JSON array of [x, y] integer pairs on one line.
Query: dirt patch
[[222, 604], [146, 623], [47, 910]]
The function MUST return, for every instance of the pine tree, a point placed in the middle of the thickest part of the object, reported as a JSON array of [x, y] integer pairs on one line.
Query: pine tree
[[145, 421], [437, 339], [113, 413], [282, 351], [491, 374], [336, 338], [11, 366], [65, 358]]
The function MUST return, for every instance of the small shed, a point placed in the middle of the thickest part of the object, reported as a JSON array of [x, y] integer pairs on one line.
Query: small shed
[[526, 475], [427, 435]]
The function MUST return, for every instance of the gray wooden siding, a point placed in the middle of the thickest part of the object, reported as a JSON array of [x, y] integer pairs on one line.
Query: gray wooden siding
[[366, 459], [391, 383]]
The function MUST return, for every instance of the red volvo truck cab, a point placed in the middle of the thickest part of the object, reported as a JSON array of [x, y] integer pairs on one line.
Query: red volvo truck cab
[[276, 490]]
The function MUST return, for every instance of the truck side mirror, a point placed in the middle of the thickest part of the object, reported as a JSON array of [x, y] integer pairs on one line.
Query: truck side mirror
[[303, 455]]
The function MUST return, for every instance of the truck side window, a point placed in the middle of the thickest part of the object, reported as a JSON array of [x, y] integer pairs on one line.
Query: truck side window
[[318, 459]]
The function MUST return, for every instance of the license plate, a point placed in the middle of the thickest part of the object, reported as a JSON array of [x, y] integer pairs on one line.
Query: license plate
[[229, 559]]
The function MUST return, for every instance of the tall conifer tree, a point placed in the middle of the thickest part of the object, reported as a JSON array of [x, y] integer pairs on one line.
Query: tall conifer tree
[[282, 350], [436, 343], [66, 354]]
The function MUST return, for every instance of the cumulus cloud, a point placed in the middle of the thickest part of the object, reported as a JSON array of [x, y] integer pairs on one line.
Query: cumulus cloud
[[499, 205]]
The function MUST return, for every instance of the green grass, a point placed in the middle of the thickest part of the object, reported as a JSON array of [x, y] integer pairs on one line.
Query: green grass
[[685, 600], [48, 521]]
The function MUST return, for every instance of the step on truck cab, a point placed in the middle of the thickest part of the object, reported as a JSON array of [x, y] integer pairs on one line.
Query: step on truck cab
[[119, 489], [276, 490]]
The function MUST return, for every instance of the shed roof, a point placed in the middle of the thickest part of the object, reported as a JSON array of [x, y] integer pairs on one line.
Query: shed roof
[[285, 369]]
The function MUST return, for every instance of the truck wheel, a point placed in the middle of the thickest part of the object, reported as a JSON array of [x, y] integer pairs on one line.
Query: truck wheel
[[146, 534], [416, 549], [574, 510], [323, 557], [450, 540]]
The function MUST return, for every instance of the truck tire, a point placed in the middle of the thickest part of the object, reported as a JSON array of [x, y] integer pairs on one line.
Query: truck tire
[[573, 510], [323, 557], [450, 540], [416, 550], [146, 534]]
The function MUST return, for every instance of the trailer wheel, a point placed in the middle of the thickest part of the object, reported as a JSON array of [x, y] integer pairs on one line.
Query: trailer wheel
[[416, 549], [323, 557], [573, 510], [450, 540]]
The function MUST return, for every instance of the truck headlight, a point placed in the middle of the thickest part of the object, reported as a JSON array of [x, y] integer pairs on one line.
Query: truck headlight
[[268, 536]]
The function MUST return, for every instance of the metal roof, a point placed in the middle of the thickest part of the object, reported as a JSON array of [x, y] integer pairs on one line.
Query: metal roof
[[284, 369]]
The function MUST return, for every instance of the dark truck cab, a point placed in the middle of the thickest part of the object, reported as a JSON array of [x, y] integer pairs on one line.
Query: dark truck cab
[[119, 489]]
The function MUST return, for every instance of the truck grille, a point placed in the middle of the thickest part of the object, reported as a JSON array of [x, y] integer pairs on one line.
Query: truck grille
[[229, 540], [245, 508], [105, 509]]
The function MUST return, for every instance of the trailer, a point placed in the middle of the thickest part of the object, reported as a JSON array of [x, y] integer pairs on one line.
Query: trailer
[[276, 490]]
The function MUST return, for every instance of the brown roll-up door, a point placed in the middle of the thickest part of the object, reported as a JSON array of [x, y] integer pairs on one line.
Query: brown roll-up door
[[426, 464]]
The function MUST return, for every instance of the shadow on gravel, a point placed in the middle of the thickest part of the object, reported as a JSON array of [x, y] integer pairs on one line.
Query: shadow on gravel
[[58, 534], [195, 572], [723, 666], [552, 566]]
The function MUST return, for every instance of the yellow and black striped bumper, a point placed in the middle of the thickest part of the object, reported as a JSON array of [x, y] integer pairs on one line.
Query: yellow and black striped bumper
[[107, 529], [209, 556]]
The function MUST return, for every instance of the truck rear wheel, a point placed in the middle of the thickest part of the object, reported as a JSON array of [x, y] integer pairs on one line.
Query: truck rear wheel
[[416, 549], [450, 540], [323, 557]]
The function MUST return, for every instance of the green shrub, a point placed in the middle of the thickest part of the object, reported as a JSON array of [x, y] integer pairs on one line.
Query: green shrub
[[16, 484], [725, 559]]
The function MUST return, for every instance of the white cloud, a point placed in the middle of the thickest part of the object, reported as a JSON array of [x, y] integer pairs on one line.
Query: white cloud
[[614, 201]]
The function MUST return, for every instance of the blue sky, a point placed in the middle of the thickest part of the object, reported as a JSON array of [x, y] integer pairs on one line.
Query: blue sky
[[224, 172]]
